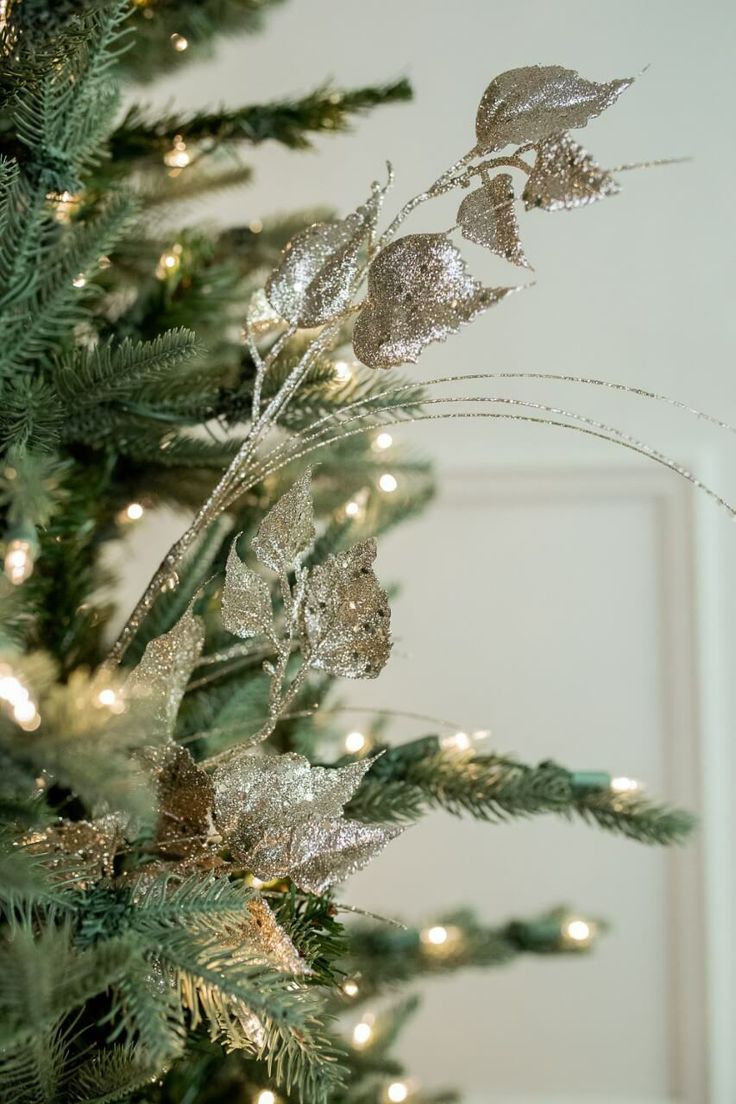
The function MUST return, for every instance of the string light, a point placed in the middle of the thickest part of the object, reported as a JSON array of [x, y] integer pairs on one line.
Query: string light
[[397, 1092], [110, 699], [388, 483], [19, 560], [383, 441], [17, 696], [440, 939], [355, 508], [265, 1096], [178, 157], [343, 371], [65, 204], [350, 988], [363, 1032], [465, 741], [624, 786], [134, 511], [180, 43], [578, 932], [79, 281], [169, 261], [352, 508], [255, 226], [355, 742]]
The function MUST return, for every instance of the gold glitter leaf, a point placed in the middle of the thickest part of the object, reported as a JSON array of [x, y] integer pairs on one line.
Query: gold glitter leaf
[[160, 679], [486, 217], [565, 176], [86, 848], [532, 103], [315, 281], [419, 291], [185, 800], [282, 817], [246, 599], [287, 530], [347, 619]]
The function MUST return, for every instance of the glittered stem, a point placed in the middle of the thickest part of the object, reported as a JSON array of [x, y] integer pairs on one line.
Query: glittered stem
[[217, 502]]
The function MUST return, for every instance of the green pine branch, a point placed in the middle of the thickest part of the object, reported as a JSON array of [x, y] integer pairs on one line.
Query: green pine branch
[[407, 781]]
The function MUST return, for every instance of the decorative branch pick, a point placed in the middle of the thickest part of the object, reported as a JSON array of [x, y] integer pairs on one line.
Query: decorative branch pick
[[418, 287]]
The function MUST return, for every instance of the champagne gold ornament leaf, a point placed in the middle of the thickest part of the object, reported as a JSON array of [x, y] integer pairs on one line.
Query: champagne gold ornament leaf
[[287, 530], [85, 848], [158, 683], [565, 176], [315, 280], [282, 817], [317, 854], [419, 291], [264, 940], [486, 216], [537, 101], [246, 599], [347, 619], [185, 801]]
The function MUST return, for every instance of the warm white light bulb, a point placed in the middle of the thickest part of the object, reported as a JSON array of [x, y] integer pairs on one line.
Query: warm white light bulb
[[362, 1033], [355, 742], [624, 785], [579, 931], [350, 988], [265, 1096], [436, 935], [352, 508], [383, 441], [397, 1092], [343, 371], [19, 561], [107, 696], [80, 280], [180, 43], [458, 741], [388, 483], [134, 511]]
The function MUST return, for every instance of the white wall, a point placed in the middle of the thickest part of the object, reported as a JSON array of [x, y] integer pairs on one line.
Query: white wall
[[549, 594]]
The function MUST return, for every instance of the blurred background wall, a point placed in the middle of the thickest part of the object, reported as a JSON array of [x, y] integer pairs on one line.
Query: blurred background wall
[[572, 599]]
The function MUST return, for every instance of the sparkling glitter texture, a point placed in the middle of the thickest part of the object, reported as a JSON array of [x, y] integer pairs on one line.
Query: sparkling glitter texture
[[486, 216], [281, 817], [565, 176], [89, 847], [537, 101], [419, 291], [347, 619], [287, 530], [160, 679], [315, 281], [246, 599], [185, 799]]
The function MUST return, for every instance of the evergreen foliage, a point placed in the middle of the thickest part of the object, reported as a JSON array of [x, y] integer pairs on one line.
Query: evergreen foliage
[[124, 382]]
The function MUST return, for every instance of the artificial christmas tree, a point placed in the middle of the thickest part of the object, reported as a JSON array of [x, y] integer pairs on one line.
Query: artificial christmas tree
[[177, 806]]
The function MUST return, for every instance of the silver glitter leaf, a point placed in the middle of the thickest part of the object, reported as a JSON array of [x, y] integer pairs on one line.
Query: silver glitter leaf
[[532, 103], [315, 281], [419, 291], [160, 679], [282, 817], [347, 619], [246, 599], [287, 530], [486, 217], [565, 176]]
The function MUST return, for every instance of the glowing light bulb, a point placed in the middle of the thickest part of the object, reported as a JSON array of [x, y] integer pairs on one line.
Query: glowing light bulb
[[355, 742], [343, 371], [255, 226], [107, 696], [397, 1092], [436, 935], [80, 280], [19, 561], [350, 988], [26, 715], [624, 785], [352, 508], [458, 741], [17, 696], [578, 931], [180, 43], [388, 483], [383, 441], [134, 511], [362, 1033], [265, 1096], [256, 883]]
